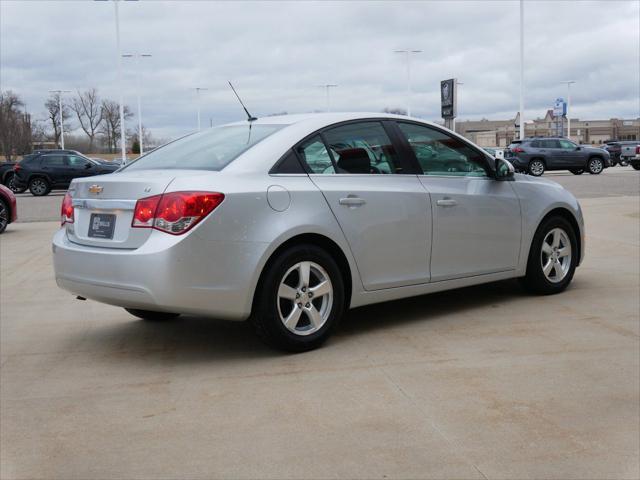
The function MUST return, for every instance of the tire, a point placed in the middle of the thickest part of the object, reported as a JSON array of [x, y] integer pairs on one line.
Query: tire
[[284, 295], [9, 182], [561, 273], [4, 215], [152, 316], [577, 171], [39, 186], [536, 167], [595, 166], [635, 166]]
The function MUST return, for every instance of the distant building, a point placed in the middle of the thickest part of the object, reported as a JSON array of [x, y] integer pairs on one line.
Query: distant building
[[491, 133]]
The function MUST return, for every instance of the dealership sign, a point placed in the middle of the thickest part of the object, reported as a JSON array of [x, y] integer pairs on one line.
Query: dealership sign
[[448, 98], [559, 108]]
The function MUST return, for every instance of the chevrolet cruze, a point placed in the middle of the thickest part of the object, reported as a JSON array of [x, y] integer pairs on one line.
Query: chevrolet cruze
[[289, 221]]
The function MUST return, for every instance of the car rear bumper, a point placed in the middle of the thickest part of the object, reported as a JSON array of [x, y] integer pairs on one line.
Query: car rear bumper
[[168, 273]]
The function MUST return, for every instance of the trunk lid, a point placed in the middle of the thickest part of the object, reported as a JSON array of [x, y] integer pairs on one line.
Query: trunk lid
[[104, 206]]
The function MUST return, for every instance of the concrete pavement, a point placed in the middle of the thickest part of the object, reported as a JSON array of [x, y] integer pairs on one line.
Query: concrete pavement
[[483, 382]]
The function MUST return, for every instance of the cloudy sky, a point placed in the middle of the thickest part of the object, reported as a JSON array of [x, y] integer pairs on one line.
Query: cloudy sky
[[277, 53]]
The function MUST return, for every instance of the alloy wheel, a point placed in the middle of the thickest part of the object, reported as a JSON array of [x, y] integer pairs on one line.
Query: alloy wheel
[[555, 255], [4, 216], [305, 298], [536, 168], [38, 187], [595, 165]]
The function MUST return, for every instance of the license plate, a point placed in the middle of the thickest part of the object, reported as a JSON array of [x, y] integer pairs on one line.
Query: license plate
[[101, 225]]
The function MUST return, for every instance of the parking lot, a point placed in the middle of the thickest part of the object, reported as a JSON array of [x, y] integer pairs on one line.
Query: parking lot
[[483, 382]]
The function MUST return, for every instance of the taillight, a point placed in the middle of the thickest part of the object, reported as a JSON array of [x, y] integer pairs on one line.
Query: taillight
[[16, 167], [517, 150], [638, 150], [174, 212], [66, 213]]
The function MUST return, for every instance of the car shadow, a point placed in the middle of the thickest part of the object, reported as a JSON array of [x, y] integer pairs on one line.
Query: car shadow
[[191, 339]]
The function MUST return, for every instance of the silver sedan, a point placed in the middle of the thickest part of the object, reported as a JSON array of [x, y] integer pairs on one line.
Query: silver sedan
[[289, 221]]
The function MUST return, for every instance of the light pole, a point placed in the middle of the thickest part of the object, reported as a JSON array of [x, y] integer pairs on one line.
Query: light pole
[[328, 86], [138, 56], [60, 92], [568, 82], [123, 146], [198, 89], [408, 53], [453, 120], [521, 69]]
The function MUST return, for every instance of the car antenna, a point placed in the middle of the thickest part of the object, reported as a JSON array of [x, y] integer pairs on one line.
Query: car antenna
[[250, 118]]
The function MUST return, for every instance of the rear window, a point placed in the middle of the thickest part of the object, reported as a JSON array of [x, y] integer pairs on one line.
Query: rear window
[[212, 149]]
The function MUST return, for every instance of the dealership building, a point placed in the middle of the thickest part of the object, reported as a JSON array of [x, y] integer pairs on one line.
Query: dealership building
[[491, 133]]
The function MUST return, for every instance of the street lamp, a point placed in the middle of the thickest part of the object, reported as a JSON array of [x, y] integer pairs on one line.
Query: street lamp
[[408, 59], [138, 56], [198, 89], [123, 146], [327, 86], [60, 92], [568, 82]]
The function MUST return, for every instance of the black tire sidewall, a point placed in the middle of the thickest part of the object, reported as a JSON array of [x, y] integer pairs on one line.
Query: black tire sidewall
[[544, 168], [535, 278], [3, 227], [267, 319], [47, 189]]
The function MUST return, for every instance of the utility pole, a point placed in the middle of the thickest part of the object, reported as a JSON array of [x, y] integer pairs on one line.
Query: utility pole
[[521, 69], [328, 86], [138, 56], [60, 92], [198, 89], [568, 82], [408, 53]]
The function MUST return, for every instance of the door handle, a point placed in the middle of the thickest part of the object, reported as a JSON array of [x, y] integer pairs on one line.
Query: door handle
[[352, 201], [446, 202]]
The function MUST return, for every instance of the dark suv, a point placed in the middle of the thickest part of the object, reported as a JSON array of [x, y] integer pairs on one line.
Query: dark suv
[[41, 173], [536, 155]]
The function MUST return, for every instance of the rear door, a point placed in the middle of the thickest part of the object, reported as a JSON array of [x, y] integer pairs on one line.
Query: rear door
[[554, 155], [380, 205], [476, 219]]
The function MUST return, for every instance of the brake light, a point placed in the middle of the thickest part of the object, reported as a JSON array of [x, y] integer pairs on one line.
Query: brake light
[[638, 150], [517, 150], [66, 213], [175, 212], [16, 167]]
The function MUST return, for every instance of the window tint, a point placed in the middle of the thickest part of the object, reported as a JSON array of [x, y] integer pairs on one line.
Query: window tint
[[535, 144], [53, 160], [289, 164], [211, 149], [440, 154], [549, 144], [315, 155], [362, 147], [567, 145], [76, 161]]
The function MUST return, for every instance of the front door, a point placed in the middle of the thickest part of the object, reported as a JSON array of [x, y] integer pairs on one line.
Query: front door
[[385, 214], [476, 219]]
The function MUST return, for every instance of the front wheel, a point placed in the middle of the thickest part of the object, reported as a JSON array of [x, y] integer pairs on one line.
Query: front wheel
[[536, 168], [576, 171], [635, 165], [152, 316], [552, 258], [596, 165], [300, 301], [4, 215]]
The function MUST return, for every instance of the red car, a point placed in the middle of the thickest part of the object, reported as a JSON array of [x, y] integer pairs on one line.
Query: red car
[[8, 210]]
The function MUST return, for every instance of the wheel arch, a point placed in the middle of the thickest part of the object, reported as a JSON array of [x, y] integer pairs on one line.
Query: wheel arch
[[318, 240], [569, 217]]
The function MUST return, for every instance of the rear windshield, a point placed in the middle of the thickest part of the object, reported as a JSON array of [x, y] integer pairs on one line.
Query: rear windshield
[[212, 149]]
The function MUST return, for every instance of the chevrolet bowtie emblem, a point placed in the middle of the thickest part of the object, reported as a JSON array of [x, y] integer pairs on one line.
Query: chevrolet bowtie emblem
[[95, 189]]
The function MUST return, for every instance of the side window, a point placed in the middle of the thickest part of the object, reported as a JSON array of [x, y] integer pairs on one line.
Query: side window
[[76, 161], [440, 154], [567, 145], [535, 144], [550, 144], [53, 161], [362, 147], [315, 155], [288, 164]]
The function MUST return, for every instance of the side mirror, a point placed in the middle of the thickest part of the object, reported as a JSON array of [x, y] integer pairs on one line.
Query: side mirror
[[87, 165], [578, 148], [504, 169]]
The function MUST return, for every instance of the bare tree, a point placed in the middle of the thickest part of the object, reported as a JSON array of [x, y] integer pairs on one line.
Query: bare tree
[[88, 109], [110, 127], [15, 126], [396, 110], [53, 115]]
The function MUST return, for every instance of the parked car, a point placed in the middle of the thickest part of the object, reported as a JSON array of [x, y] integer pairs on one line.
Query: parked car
[[247, 220], [8, 208], [622, 152], [495, 152], [41, 173], [539, 154], [7, 173]]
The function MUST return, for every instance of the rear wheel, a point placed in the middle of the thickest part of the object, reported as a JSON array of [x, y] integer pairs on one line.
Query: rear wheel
[[576, 171], [536, 167], [4, 215], [595, 166], [152, 316], [39, 186], [552, 258], [300, 301]]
